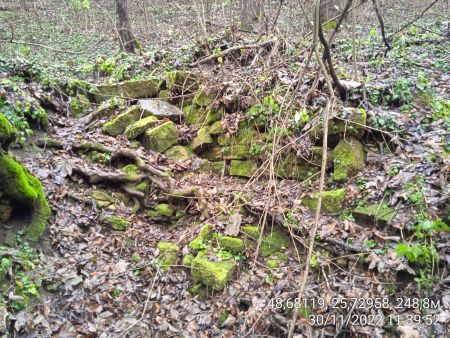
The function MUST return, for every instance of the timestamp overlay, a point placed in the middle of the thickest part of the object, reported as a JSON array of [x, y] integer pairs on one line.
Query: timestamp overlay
[[340, 311]]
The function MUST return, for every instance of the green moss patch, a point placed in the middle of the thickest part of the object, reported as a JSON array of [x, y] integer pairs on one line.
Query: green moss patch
[[202, 140], [331, 201], [202, 99], [374, 214], [135, 89], [232, 244], [199, 242], [102, 198], [137, 128], [243, 168], [79, 104], [348, 158], [236, 152], [178, 153], [353, 125], [274, 242], [117, 223], [161, 138], [180, 81], [212, 273], [187, 260], [168, 254], [118, 124]]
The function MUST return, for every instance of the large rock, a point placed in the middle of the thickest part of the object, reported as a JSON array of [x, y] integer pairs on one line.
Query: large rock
[[331, 201], [137, 128], [118, 124], [202, 115], [161, 138], [236, 152], [161, 109], [25, 192], [178, 153], [168, 254], [348, 158], [211, 271], [134, 89]]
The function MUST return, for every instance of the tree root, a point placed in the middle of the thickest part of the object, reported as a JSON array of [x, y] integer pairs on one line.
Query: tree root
[[102, 177]]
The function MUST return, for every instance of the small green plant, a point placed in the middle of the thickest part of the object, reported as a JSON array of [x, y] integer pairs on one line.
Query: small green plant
[[422, 254], [116, 292]]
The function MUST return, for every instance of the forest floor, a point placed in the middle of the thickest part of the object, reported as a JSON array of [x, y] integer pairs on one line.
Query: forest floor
[[103, 282]]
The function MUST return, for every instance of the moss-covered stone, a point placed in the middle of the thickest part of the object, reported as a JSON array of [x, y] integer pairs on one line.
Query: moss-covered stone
[[118, 124], [168, 254], [272, 263], [181, 81], [199, 242], [214, 274], [135, 129], [200, 115], [79, 104], [178, 153], [236, 152], [117, 223], [187, 260], [348, 158], [102, 198], [161, 138], [22, 188], [375, 214], [202, 140], [353, 125], [232, 244], [164, 95], [217, 167], [202, 99], [8, 133], [243, 168], [134, 89], [331, 201]]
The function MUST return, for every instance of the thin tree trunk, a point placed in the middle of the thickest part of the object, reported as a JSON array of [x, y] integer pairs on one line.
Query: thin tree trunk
[[127, 41]]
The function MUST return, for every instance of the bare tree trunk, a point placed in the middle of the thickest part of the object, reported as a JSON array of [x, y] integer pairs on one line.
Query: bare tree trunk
[[127, 41]]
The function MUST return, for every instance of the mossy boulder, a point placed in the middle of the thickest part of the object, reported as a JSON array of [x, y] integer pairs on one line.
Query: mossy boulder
[[135, 129], [199, 242], [134, 89], [243, 168], [331, 201], [180, 81], [8, 134], [168, 254], [117, 223], [375, 214], [202, 140], [178, 153], [351, 122], [24, 190], [201, 115], [133, 170], [208, 269], [161, 138], [251, 230], [237, 152], [348, 158], [118, 124], [232, 244], [165, 210], [79, 104]]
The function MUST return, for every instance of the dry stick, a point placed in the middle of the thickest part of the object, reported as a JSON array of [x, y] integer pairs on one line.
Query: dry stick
[[229, 50], [381, 22]]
